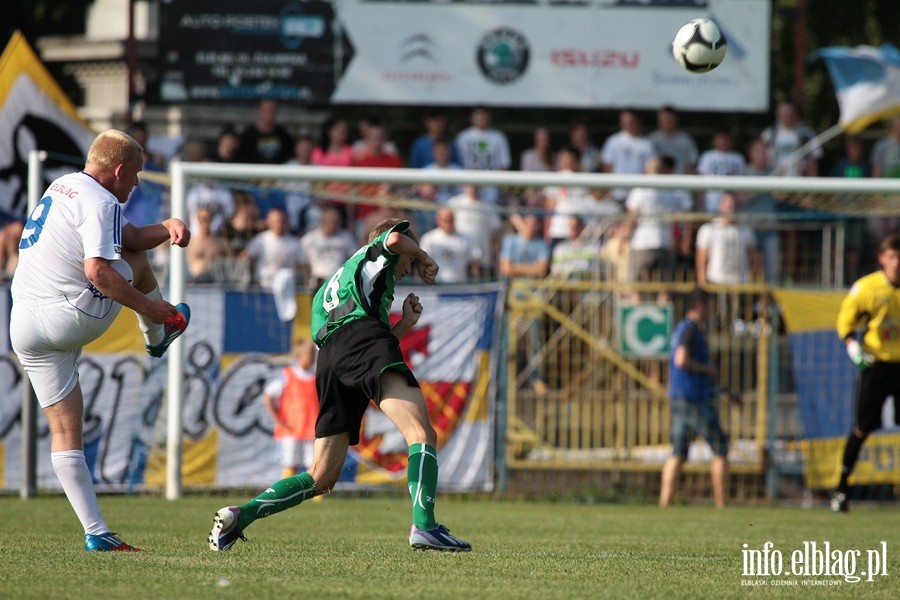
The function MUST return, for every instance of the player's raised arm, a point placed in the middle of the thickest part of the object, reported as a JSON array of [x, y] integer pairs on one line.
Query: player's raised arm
[[150, 236], [400, 243]]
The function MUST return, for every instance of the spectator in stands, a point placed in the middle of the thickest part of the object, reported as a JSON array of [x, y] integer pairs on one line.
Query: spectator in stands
[[227, 145], [886, 153], [580, 139], [439, 194], [540, 156], [243, 225], [576, 257], [362, 146], [726, 250], [443, 160], [627, 151], [206, 248], [763, 208], [372, 155], [141, 134], [457, 256], [669, 140], [652, 240], [719, 160], [483, 147], [421, 153], [275, 250], [691, 393], [563, 201], [217, 198], [333, 149], [145, 204], [526, 254], [853, 164], [327, 246], [265, 141], [480, 225], [298, 197], [616, 254], [785, 137]]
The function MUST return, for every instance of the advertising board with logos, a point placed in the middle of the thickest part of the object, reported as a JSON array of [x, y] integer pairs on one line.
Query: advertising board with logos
[[519, 53]]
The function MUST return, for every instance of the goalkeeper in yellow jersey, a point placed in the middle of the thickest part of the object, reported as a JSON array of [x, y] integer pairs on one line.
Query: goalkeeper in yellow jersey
[[873, 302]]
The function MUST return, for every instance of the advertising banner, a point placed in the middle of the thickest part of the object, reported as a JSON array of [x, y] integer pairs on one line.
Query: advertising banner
[[580, 54], [233, 50]]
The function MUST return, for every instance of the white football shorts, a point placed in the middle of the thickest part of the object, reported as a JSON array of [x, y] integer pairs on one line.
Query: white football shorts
[[48, 337]]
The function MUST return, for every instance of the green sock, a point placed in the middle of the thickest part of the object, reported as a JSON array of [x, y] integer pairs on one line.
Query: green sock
[[422, 475], [280, 496]]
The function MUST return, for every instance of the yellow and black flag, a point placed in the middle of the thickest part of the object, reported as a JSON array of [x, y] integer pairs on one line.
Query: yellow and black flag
[[35, 114]]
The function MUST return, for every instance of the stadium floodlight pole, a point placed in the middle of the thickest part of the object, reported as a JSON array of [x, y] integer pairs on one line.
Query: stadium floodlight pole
[[175, 392], [28, 489]]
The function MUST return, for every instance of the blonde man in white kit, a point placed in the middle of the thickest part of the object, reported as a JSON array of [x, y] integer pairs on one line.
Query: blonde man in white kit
[[80, 262]]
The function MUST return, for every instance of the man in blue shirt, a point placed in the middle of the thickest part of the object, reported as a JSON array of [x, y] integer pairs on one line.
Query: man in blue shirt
[[691, 377]]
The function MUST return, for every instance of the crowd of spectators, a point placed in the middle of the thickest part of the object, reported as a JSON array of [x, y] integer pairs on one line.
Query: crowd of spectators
[[247, 232]]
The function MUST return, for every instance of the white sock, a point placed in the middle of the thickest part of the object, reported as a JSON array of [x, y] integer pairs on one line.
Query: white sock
[[153, 332], [72, 471]]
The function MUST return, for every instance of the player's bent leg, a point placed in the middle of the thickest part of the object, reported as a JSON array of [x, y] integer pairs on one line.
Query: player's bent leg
[[405, 406], [230, 522], [158, 337]]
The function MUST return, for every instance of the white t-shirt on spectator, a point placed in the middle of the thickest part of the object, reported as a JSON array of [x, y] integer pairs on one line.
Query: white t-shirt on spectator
[[452, 252], [716, 162], [651, 233], [728, 245]]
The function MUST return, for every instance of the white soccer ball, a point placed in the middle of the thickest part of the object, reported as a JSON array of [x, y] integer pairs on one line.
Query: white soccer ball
[[699, 46]]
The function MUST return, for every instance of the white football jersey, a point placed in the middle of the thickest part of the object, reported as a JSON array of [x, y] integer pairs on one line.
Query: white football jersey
[[76, 219]]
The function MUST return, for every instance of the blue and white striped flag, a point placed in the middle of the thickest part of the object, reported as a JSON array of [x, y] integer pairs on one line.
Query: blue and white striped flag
[[867, 83]]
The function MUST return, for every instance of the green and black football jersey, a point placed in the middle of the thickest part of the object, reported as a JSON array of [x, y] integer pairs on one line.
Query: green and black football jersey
[[362, 287]]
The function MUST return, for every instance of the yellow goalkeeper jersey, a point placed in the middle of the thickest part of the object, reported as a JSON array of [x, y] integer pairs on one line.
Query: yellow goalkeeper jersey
[[874, 301]]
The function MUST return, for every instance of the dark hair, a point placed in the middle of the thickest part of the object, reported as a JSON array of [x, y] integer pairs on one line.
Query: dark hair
[[570, 149], [330, 122], [891, 242], [386, 224], [667, 161], [696, 296]]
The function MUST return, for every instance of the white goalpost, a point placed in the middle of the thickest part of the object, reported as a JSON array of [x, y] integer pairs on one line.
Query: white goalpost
[[869, 198]]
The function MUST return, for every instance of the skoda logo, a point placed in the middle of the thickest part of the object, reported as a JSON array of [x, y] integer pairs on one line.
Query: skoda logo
[[503, 55]]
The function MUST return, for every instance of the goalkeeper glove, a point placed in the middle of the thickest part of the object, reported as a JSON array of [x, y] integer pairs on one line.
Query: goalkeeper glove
[[862, 359]]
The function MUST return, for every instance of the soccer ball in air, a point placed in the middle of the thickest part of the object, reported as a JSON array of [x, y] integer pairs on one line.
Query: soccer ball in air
[[699, 46]]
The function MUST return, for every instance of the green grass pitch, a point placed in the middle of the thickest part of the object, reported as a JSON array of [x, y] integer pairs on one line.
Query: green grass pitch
[[357, 548]]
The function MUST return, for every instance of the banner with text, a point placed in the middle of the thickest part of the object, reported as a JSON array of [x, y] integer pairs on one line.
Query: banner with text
[[234, 346], [579, 54]]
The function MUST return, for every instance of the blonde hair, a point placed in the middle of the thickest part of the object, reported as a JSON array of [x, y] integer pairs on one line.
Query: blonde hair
[[114, 147]]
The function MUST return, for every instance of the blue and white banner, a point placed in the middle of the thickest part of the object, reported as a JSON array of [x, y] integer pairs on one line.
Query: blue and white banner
[[233, 347], [866, 81]]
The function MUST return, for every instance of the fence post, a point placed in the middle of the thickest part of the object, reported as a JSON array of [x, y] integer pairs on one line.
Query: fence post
[[772, 472], [28, 422]]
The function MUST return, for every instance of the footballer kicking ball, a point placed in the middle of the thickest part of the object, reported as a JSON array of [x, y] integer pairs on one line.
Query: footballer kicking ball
[[699, 46]]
